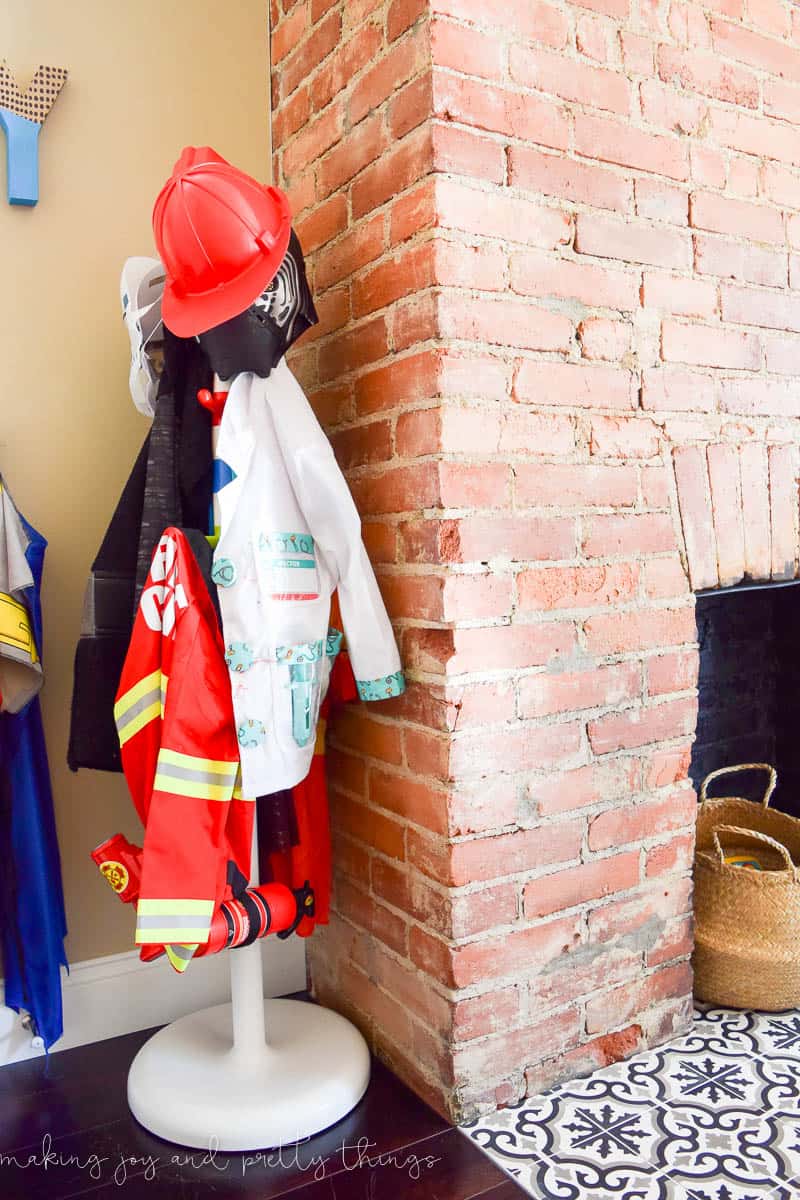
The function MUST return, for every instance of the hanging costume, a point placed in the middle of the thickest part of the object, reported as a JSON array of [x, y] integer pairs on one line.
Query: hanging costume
[[290, 535], [32, 921]]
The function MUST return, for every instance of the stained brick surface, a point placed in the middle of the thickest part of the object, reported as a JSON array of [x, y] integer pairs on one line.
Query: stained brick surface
[[555, 247]]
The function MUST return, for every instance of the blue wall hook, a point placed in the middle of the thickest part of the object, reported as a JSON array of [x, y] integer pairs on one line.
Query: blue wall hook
[[22, 115]]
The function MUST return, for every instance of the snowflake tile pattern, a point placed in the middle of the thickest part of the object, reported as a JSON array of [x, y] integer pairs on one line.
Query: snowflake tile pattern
[[713, 1115]]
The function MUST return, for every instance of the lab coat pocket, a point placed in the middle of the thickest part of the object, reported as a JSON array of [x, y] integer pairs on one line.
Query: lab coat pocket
[[288, 564], [300, 677]]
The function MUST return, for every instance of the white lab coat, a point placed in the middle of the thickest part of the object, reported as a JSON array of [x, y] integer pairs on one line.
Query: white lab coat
[[289, 535]]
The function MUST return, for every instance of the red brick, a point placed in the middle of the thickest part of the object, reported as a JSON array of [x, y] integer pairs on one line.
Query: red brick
[[571, 485], [288, 33], [584, 786], [675, 855], [602, 338], [631, 241], [590, 38], [694, 499], [674, 672], [707, 74], [373, 829], [380, 540], [510, 853], [385, 76], [514, 955], [721, 214], [531, 19], [416, 596], [514, 218], [779, 184], [412, 213], [770, 16], [333, 311], [408, 272], [615, 142], [708, 166], [651, 533], [316, 137], [354, 151], [553, 175], [659, 201], [481, 538], [291, 116], [527, 748], [750, 306], [757, 395], [726, 507], [504, 323], [590, 881], [494, 1058], [398, 489], [740, 260], [490, 1012], [461, 152], [623, 437], [678, 295], [783, 496], [669, 389], [358, 247], [410, 107], [617, 1007], [414, 320], [537, 274], [477, 704], [549, 588], [570, 80], [637, 53], [676, 111], [347, 60], [743, 45], [708, 345], [352, 349], [323, 224], [755, 510], [401, 382], [640, 629], [499, 110], [363, 910], [579, 385], [755, 135], [401, 16], [782, 100], [363, 444], [546, 694], [469, 597], [464, 486], [368, 736], [409, 797], [656, 491], [666, 767], [401, 166], [482, 267], [505, 647], [641, 726], [677, 941], [466, 50]]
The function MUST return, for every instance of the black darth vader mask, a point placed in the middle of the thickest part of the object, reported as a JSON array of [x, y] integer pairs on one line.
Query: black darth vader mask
[[258, 338]]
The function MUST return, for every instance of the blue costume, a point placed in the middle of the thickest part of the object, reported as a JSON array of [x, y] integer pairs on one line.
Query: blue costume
[[32, 920]]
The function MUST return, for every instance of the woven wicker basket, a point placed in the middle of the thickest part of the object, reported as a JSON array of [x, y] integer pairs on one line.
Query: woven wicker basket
[[747, 922]]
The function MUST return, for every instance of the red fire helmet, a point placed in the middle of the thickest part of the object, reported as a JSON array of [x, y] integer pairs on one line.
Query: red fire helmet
[[221, 236]]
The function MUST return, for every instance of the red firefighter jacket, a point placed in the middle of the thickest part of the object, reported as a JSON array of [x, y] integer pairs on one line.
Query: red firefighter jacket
[[174, 717]]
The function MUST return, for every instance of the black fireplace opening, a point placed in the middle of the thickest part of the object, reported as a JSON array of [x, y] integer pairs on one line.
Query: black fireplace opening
[[749, 690]]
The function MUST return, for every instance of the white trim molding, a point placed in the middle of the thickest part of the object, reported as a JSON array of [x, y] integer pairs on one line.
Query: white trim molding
[[106, 997]]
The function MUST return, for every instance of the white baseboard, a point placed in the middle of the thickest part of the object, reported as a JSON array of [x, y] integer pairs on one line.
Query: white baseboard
[[105, 997]]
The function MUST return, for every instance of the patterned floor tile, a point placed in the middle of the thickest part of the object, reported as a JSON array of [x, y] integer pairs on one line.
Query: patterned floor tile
[[714, 1115]]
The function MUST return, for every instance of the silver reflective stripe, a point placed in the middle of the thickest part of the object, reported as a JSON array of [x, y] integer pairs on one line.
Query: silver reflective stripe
[[215, 778], [170, 921], [139, 706], [179, 951]]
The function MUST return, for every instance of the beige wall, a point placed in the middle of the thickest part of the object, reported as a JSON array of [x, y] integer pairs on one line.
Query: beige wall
[[146, 78]]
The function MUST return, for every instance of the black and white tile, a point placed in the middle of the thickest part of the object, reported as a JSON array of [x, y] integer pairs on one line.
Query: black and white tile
[[713, 1115]]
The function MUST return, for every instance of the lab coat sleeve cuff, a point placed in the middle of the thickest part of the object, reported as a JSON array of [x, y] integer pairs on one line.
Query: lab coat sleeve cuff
[[383, 688]]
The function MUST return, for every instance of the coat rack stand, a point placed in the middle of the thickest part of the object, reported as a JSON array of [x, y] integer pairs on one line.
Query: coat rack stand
[[253, 1074]]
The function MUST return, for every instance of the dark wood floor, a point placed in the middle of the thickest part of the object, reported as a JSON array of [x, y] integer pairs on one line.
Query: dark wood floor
[[64, 1116]]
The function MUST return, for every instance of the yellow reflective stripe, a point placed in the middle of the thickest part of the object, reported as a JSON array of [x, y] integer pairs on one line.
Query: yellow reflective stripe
[[180, 956], [126, 732], [160, 937], [188, 787], [148, 684], [194, 763], [174, 907], [164, 682]]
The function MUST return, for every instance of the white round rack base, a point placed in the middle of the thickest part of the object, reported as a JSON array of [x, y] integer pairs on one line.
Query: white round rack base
[[191, 1085]]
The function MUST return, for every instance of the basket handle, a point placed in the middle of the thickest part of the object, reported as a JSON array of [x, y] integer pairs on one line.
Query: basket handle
[[757, 836], [773, 779]]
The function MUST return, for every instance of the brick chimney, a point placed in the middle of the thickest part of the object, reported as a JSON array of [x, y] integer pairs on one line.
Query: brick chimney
[[551, 246]]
